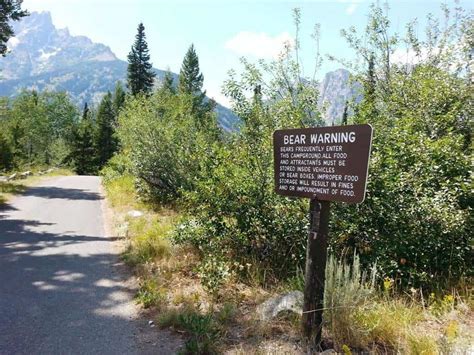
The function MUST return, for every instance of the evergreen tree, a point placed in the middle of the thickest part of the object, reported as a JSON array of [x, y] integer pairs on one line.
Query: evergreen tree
[[118, 99], [85, 111], [140, 70], [190, 79], [10, 10], [83, 152], [106, 143], [6, 155]]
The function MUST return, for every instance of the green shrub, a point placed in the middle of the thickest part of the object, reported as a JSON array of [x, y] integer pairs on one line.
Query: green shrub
[[238, 217], [119, 165], [166, 143], [236, 214], [149, 294], [415, 221]]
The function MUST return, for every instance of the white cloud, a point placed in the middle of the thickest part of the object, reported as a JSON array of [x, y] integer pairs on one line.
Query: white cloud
[[352, 5], [217, 95], [351, 8], [407, 56], [260, 45]]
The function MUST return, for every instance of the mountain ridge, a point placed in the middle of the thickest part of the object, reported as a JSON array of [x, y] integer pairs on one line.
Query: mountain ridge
[[44, 57]]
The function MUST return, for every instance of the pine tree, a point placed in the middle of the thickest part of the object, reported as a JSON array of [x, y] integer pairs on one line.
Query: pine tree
[[190, 79], [6, 155], [10, 10], [83, 152], [85, 111], [106, 143], [118, 99], [140, 70]]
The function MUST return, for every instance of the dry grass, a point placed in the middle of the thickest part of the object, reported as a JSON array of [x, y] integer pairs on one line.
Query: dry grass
[[10, 188]]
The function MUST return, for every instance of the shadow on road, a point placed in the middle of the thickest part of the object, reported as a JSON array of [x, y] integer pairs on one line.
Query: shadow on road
[[64, 291], [61, 193], [44, 294], [4, 207]]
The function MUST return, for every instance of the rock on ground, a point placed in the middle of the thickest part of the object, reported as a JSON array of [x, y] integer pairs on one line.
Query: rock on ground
[[291, 301]]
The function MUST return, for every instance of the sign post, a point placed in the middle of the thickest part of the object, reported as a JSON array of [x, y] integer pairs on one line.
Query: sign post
[[325, 164], [316, 255]]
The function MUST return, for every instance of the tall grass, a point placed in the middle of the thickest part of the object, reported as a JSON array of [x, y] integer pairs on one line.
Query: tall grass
[[358, 316], [148, 240], [121, 192], [347, 288]]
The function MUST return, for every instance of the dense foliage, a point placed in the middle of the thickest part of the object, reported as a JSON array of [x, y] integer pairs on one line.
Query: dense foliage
[[84, 154], [415, 222], [166, 143], [46, 129], [226, 180], [37, 127]]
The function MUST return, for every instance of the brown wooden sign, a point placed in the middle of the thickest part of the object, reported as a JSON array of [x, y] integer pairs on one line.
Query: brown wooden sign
[[327, 163]]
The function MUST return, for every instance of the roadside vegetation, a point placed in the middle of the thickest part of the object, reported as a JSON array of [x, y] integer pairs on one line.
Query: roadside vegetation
[[45, 129], [214, 240]]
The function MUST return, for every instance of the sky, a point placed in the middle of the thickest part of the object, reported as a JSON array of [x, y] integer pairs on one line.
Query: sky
[[223, 31]]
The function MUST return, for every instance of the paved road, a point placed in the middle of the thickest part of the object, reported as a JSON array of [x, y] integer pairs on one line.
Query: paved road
[[61, 291]]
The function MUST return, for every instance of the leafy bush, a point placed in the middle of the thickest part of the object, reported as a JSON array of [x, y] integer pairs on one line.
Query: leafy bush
[[119, 165], [415, 221], [165, 143], [236, 214]]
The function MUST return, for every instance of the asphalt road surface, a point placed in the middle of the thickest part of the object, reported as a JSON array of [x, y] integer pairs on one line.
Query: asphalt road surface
[[62, 290]]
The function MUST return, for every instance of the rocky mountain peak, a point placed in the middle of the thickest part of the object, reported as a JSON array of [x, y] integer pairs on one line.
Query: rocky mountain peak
[[334, 91], [38, 47]]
